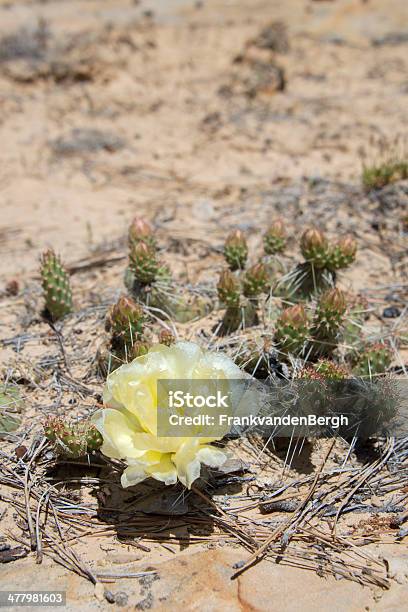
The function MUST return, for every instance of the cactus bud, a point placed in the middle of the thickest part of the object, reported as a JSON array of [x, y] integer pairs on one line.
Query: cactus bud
[[236, 250], [255, 280], [343, 254], [139, 349], [125, 320], [274, 239], [166, 337], [331, 307], [229, 288], [143, 262], [314, 247], [56, 285], [292, 329], [140, 230]]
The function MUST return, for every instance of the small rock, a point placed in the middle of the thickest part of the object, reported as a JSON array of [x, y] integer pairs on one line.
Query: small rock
[[12, 287], [121, 598], [398, 569], [109, 596], [12, 554], [391, 312]]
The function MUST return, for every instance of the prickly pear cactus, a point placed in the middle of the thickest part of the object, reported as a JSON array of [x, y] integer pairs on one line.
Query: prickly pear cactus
[[255, 281], [143, 262], [241, 311], [125, 321], [328, 320], [292, 330], [72, 440], [239, 317], [56, 286], [229, 289], [274, 239], [372, 360], [236, 250], [342, 254]]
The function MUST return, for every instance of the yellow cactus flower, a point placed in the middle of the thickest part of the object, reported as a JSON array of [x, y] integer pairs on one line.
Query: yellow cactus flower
[[128, 423]]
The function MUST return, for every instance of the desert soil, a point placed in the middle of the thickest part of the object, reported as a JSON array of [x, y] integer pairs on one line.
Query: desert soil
[[172, 111]]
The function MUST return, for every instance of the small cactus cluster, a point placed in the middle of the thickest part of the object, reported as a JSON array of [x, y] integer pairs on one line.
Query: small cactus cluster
[[314, 333], [56, 286], [150, 282], [317, 249], [72, 440], [322, 260], [239, 292], [124, 321]]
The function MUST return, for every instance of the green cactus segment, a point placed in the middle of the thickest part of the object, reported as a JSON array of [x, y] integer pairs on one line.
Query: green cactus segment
[[342, 255], [140, 230], [236, 250], [143, 263], [372, 360], [125, 321], [229, 289], [328, 322], [292, 330], [72, 440], [56, 286], [239, 317], [255, 281], [305, 281], [274, 239], [94, 439]]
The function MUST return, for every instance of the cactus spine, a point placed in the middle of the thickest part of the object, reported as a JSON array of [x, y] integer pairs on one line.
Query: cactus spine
[[56, 286]]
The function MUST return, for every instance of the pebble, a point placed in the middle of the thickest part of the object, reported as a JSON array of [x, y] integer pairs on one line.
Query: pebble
[[391, 312]]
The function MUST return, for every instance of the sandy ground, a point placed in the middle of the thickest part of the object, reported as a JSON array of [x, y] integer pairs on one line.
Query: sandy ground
[[113, 108]]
